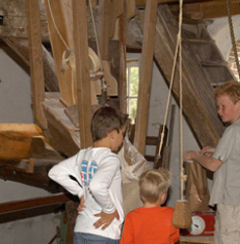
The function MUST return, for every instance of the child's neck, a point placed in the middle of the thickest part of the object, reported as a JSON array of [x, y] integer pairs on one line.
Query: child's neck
[[159, 202], [102, 143], [150, 205]]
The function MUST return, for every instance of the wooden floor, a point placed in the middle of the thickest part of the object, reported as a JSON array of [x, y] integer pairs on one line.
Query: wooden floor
[[196, 239]]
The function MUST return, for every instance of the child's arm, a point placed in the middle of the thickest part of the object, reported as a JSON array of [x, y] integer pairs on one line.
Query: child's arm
[[210, 163], [105, 219], [64, 173]]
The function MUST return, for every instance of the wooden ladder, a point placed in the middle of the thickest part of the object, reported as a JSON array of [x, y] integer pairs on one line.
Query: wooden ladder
[[203, 69]]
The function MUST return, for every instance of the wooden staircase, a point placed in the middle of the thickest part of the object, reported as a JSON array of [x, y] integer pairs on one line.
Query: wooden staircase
[[203, 69]]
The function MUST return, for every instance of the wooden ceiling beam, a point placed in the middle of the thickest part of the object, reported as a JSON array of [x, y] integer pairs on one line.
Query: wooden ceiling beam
[[142, 3], [210, 9]]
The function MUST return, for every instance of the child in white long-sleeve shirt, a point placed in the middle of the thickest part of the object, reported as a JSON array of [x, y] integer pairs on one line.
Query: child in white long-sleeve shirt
[[93, 174]]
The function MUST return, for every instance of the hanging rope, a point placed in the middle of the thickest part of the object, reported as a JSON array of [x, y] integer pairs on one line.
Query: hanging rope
[[103, 82], [95, 30], [232, 35], [182, 176], [177, 53]]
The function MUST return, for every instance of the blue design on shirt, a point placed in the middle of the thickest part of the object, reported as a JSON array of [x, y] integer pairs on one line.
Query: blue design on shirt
[[87, 171]]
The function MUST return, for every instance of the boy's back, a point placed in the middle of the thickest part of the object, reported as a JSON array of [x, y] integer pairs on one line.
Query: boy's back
[[150, 226], [94, 176], [105, 167]]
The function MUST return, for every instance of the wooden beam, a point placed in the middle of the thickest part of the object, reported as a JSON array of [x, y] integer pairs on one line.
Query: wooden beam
[[36, 179], [122, 64], [12, 211], [82, 71], [60, 30], [29, 213], [106, 26], [145, 75], [36, 61], [210, 9], [142, 3], [14, 206]]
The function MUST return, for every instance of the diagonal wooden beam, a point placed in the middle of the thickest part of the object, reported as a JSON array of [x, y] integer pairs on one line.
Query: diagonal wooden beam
[[60, 31], [210, 9], [18, 49]]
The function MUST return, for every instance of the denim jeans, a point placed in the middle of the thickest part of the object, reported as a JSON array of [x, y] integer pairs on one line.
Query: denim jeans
[[83, 238]]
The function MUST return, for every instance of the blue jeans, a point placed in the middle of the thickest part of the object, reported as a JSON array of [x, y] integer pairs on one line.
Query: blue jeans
[[83, 238]]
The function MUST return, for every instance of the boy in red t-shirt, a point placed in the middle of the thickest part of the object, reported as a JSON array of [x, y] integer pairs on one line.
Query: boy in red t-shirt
[[151, 224]]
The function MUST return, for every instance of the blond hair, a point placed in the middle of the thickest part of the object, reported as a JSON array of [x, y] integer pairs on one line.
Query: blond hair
[[153, 183], [231, 89]]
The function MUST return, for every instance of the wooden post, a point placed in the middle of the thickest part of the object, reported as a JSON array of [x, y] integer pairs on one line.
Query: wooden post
[[80, 37], [145, 75], [106, 23], [122, 69], [36, 62]]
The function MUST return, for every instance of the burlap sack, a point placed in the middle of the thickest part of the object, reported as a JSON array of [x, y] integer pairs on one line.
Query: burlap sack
[[133, 164], [197, 192]]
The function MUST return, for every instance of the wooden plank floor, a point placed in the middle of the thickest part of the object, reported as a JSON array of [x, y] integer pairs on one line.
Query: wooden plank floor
[[196, 239]]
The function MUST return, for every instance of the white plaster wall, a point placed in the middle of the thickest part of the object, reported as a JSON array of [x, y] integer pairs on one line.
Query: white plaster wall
[[219, 31], [157, 107], [15, 99], [158, 101], [15, 107]]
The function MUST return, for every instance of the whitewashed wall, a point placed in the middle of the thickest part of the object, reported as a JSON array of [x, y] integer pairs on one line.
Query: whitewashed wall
[[15, 107], [219, 31]]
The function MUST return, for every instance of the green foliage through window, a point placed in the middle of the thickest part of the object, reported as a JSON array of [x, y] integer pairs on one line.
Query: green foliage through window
[[132, 73]]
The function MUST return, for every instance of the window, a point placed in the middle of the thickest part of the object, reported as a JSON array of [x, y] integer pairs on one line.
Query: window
[[132, 74]]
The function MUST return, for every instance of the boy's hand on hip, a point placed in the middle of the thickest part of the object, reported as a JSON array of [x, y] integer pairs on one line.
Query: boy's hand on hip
[[105, 219]]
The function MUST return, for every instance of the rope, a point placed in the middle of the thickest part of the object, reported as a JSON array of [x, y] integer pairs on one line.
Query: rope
[[95, 29], [181, 100], [232, 36], [178, 51], [55, 26], [103, 81]]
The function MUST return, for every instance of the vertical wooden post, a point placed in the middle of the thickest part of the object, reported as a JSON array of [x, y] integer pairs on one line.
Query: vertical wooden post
[[36, 61], [80, 37], [145, 75], [106, 23], [123, 58]]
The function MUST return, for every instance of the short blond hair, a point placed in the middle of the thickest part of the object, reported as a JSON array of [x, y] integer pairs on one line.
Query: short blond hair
[[153, 183], [231, 89]]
